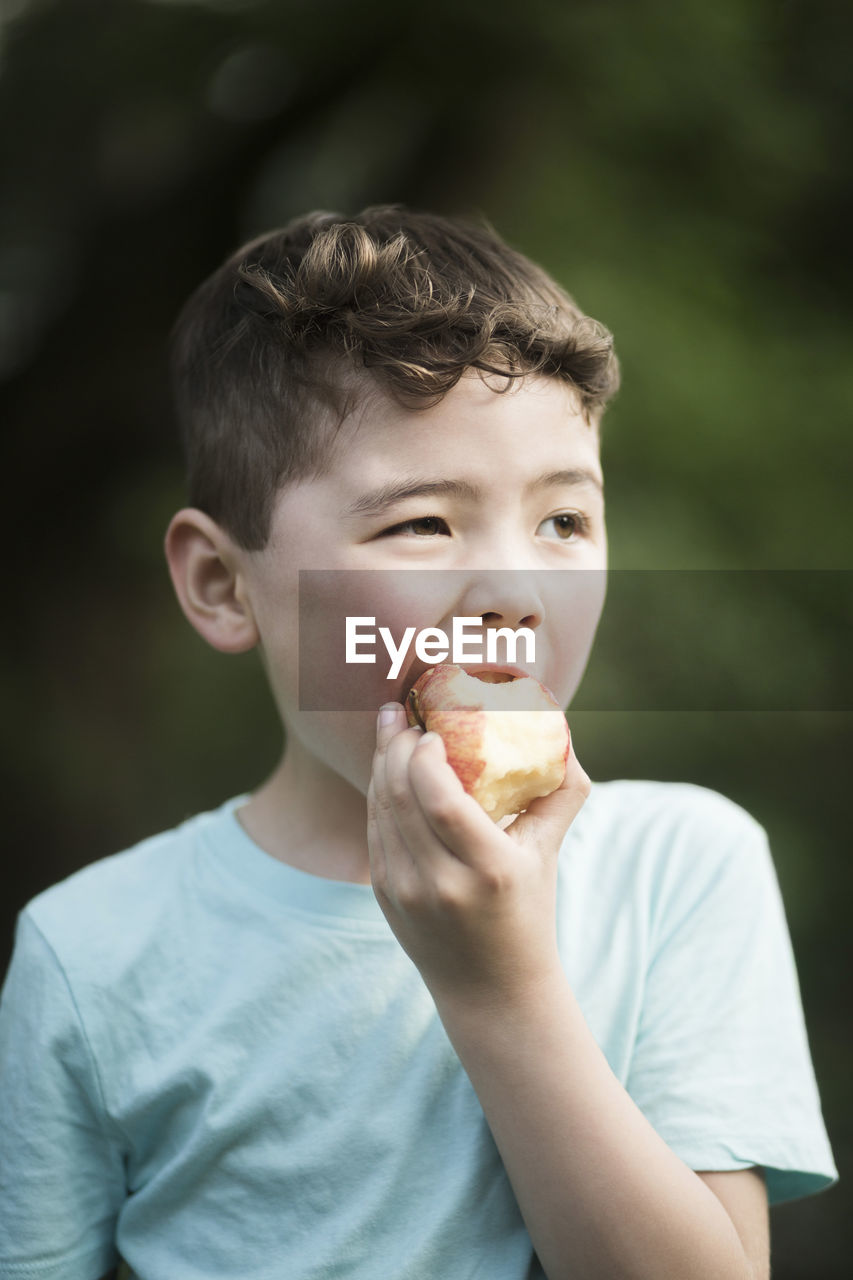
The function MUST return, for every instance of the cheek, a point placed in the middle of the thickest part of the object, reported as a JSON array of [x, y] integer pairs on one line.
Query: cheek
[[276, 617], [344, 660], [574, 614], [341, 739]]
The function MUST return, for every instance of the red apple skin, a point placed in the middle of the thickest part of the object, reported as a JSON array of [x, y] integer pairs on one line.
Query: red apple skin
[[461, 730]]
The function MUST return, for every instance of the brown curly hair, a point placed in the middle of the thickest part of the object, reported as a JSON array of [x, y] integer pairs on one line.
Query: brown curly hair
[[270, 353]]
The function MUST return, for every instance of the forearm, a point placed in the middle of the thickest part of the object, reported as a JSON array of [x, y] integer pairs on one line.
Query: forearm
[[603, 1196]]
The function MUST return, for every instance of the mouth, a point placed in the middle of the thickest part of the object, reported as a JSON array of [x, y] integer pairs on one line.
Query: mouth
[[493, 673], [487, 672]]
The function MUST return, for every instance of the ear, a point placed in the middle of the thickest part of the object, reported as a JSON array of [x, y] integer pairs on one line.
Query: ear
[[207, 576]]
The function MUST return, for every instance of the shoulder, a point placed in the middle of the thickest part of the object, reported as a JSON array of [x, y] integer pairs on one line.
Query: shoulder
[[666, 816], [667, 806], [112, 905], [669, 840]]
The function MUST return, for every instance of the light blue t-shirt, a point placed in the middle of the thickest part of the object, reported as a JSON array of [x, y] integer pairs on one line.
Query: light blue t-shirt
[[221, 1067]]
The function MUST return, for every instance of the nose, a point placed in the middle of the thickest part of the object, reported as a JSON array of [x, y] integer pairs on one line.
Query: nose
[[504, 598]]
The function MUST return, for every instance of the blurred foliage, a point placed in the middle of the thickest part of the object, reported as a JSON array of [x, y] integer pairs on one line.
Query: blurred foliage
[[684, 170]]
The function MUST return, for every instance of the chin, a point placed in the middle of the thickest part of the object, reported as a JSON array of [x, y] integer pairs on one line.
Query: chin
[[338, 744]]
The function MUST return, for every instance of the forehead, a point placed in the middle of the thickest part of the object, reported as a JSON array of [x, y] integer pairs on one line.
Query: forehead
[[480, 424]]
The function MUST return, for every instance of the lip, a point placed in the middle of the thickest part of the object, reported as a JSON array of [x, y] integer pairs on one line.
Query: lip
[[475, 668], [471, 669]]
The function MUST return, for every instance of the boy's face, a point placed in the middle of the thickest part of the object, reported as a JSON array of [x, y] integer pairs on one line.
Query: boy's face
[[496, 489]]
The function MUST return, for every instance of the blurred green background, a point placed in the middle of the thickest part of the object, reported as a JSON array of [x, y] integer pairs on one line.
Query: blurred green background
[[683, 170]]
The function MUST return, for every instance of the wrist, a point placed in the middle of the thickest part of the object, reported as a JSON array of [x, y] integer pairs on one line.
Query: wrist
[[511, 999]]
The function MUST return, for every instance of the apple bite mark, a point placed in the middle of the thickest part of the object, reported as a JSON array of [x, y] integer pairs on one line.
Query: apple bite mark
[[505, 736]]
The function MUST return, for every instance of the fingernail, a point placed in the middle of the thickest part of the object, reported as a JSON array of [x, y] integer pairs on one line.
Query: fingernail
[[428, 738], [387, 715]]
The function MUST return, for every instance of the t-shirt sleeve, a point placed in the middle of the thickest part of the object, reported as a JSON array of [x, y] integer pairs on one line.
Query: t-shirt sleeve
[[721, 1065], [61, 1170]]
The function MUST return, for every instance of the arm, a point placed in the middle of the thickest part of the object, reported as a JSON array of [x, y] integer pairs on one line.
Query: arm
[[743, 1194], [62, 1177], [601, 1193]]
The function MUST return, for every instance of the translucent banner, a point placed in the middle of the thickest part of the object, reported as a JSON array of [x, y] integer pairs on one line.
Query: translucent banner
[[679, 640]]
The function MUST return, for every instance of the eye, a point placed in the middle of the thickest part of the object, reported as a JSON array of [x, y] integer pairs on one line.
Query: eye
[[567, 526], [420, 527]]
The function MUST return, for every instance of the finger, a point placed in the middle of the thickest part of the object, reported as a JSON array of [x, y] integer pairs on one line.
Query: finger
[[403, 766], [393, 796], [376, 847], [394, 871], [414, 830], [455, 817], [388, 724], [390, 721]]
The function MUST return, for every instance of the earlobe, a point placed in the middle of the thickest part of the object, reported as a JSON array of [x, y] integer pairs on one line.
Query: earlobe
[[205, 570]]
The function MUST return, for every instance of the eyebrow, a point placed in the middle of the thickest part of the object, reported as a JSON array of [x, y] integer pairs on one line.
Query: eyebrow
[[378, 500]]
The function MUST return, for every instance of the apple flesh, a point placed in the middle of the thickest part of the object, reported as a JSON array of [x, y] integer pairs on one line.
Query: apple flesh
[[505, 736]]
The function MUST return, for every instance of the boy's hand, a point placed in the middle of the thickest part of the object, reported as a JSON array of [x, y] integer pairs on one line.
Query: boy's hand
[[473, 905]]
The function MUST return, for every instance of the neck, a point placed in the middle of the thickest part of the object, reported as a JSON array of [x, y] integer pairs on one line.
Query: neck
[[311, 818]]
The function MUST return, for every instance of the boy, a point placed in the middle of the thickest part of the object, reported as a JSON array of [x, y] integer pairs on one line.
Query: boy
[[347, 1026]]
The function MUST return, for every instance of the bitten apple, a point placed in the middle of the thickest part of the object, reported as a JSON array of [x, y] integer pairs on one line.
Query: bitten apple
[[505, 736]]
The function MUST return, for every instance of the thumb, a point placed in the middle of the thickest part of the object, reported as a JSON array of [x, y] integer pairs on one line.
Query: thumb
[[546, 820]]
